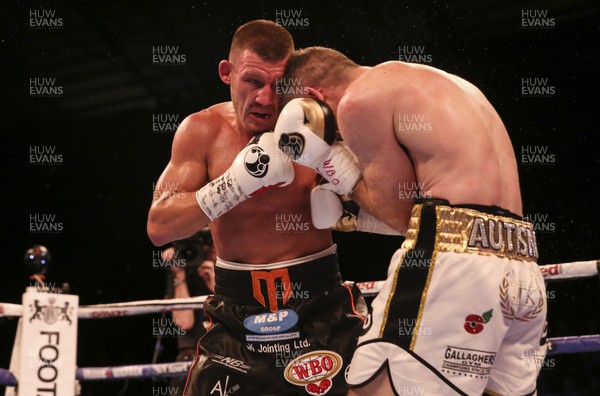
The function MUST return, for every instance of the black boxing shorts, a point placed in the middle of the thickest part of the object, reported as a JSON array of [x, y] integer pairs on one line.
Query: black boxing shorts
[[288, 328]]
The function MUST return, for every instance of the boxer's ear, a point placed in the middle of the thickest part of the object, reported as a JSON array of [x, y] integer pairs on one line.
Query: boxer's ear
[[316, 93], [225, 69]]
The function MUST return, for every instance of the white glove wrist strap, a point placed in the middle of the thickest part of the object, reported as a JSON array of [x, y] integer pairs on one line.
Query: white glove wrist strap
[[220, 195], [367, 223]]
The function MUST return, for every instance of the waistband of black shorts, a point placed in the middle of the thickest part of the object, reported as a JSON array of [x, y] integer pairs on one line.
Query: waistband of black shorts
[[251, 284], [470, 228], [489, 209]]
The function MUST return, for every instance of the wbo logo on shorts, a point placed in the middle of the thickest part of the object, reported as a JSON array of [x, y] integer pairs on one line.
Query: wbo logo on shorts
[[314, 370], [271, 323]]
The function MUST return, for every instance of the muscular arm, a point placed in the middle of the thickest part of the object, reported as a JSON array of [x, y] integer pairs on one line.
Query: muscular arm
[[367, 129], [175, 213]]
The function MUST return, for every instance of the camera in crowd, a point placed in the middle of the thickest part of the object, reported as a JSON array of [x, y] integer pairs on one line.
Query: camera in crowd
[[194, 249]]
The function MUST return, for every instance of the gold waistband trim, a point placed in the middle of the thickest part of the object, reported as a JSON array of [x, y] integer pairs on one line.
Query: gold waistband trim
[[461, 230]]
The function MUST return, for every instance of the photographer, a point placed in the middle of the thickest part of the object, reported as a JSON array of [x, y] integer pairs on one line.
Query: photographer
[[194, 275]]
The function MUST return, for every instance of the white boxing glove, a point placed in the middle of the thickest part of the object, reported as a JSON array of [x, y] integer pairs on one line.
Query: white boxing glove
[[260, 165], [340, 213], [306, 132]]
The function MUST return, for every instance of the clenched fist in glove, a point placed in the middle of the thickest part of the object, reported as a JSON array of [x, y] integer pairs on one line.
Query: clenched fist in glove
[[305, 131], [260, 165]]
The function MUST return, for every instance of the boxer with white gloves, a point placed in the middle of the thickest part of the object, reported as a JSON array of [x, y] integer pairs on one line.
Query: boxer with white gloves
[[464, 305], [279, 297], [306, 132], [256, 168]]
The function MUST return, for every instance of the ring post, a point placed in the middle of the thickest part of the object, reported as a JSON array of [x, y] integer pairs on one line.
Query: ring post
[[48, 347]]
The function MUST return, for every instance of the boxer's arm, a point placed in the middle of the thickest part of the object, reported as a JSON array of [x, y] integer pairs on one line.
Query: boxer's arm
[[341, 213], [174, 213], [366, 126]]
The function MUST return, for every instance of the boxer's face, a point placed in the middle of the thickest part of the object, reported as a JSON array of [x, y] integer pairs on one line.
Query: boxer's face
[[253, 91]]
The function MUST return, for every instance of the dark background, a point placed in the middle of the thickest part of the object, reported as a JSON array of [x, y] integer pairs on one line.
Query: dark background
[[102, 126]]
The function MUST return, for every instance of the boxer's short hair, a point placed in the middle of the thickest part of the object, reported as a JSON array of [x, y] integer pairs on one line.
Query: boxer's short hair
[[318, 66], [267, 39]]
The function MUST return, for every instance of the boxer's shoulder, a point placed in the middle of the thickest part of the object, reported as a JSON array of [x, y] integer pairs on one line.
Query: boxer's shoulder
[[374, 94], [410, 78], [384, 85], [209, 120], [393, 71], [203, 127]]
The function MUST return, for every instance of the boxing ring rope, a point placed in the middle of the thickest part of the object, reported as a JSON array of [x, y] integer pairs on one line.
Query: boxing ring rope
[[131, 308], [558, 345], [107, 373], [551, 272]]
